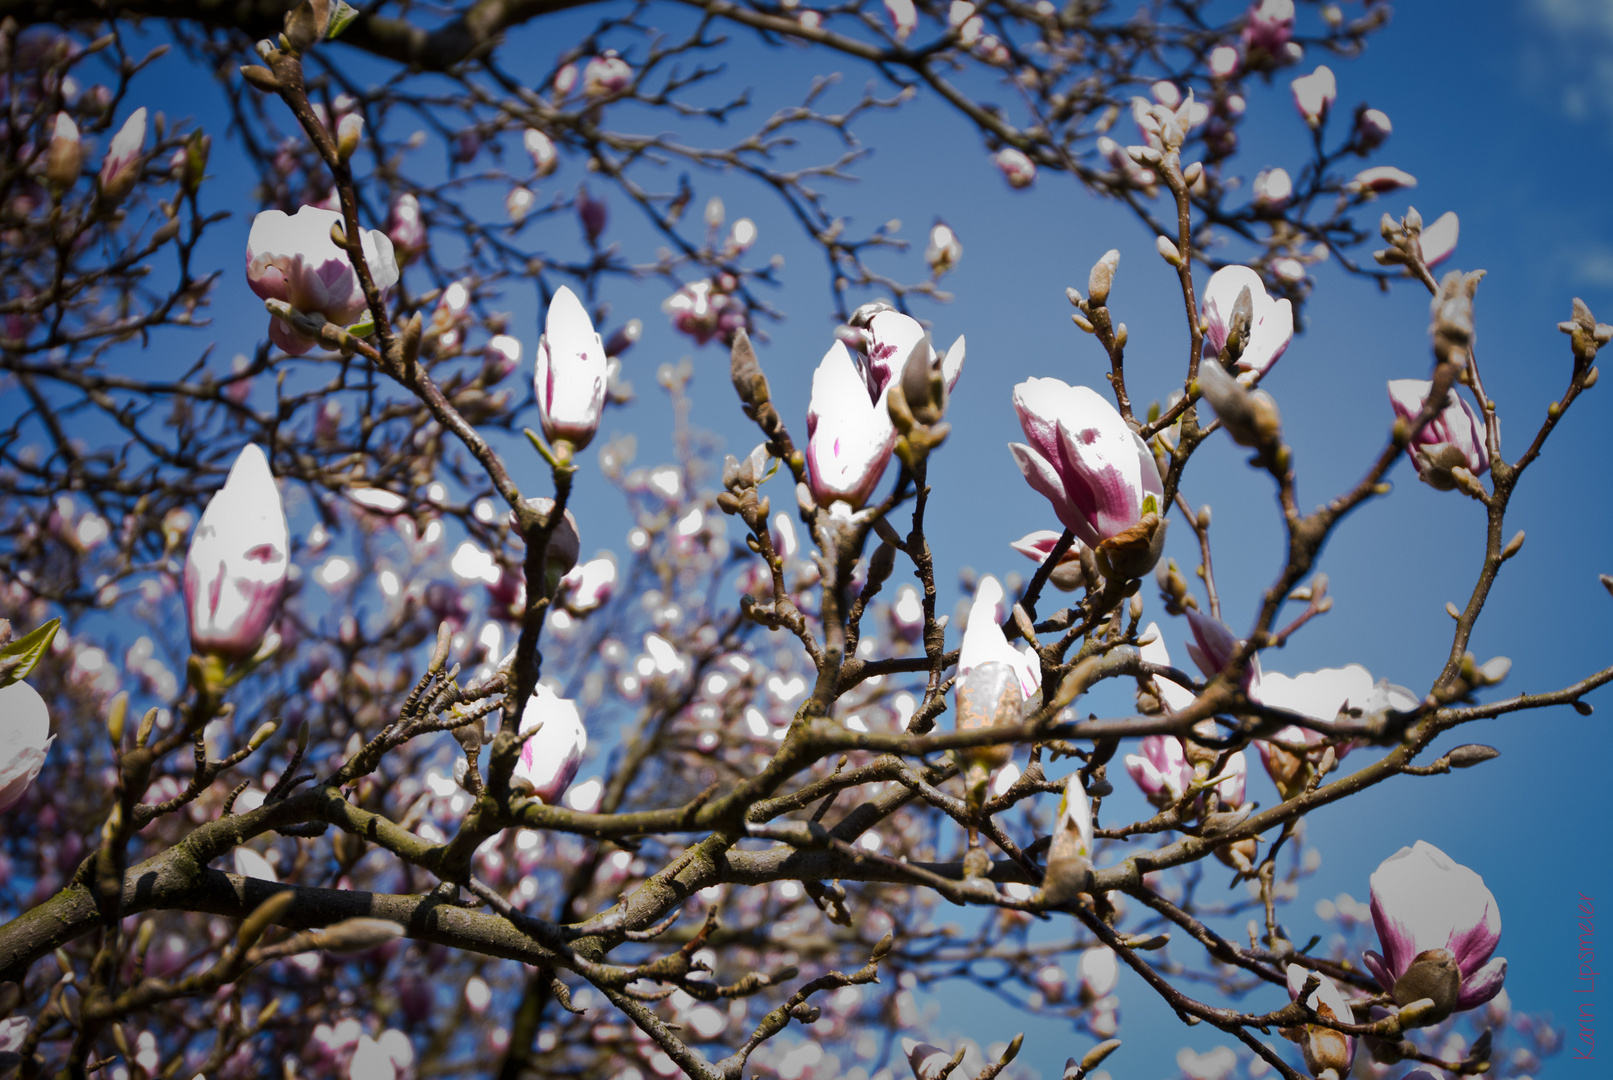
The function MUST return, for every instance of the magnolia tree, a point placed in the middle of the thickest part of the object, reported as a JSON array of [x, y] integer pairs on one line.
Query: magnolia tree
[[422, 792]]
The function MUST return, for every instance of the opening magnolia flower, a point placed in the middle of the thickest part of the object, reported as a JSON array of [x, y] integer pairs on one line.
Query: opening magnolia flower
[[1453, 439], [25, 739], [549, 759], [1271, 322], [294, 259]]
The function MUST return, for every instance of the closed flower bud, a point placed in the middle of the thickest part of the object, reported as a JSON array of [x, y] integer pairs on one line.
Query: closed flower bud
[[294, 259], [120, 169], [925, 1060], [849, 432], [1382, 178], [994, 680], [1069, 857], [606, 75], [1434, 915], [903, 16], [1251, 418], [348, 132], [1102, 277], [944, 250], [549, 759], [541, 148], [1372, 128], [66, 154], [570, 378], [1314, 95], [1018, 169], [239, 556], [1273, 189], [25, 739]]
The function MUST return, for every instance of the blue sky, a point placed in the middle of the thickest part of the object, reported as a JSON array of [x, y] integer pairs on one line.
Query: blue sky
[[1504, 112]]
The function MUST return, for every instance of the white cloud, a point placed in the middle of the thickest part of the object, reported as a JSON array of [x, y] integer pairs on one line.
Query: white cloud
[[1569, 55]]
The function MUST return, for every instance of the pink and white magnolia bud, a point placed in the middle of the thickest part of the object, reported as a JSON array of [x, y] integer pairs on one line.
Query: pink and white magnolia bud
[[606, 75], [120, 169], [588, 585], [294, 259], [1212, 647], [591, 212], [1381, 178], [1069, 856], [1437, 242], [501, 356], [571, 370], [1270, 25], [1314, 95], [1085, 460], [904, 17], [406, 228], [1273, 189], [1323, 1047], [549, 759], [65, 156], [1453, 439], [1224, 62], [696, 310], [25, 739], [1017, 168], [944, 251], [1372, 128], [1425, 902], [925, 1060], [849, 433], [1271, 322], [541, 148], [235, 571], [1160, 769], [1068, 575], [1099, 969]]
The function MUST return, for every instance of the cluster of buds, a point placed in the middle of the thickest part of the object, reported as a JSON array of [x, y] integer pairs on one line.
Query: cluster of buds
[[1413, 244], [1587, 336], [708, 308]]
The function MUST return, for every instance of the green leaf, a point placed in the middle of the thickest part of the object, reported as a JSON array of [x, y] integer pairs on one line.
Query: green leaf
[[340, 19], [19, 657], [1150, 504], [363, 328]]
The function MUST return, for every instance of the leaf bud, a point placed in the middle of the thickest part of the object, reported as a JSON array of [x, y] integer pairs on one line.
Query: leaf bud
[[1102, 277]]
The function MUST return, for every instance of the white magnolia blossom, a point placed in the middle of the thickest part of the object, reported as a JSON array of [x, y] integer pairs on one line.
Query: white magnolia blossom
[[239, 557], [550, 758], [25, 738], [571, 372]]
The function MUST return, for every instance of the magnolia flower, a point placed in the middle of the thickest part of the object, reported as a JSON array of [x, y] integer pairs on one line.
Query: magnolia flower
[[589, 584], [1381, 178], [295, 260], [1175, 696], [1314, 95], [25, 739], [696, 310], [925, 1060], [1323, 1047], [1069, 857], [65, 156], [1452, 439], [849, 433], [1270, 25], [120, 169], [1099, 476], [994, 679], [570, 378], [1437, 242], [1273, 189], [605, 75], [1018, 169], [904, 17], [1321, 696], [1161, 770], [944, 250], [1438, 925], [549, 759], [239, 556], [1372, 127], [406, 228], [1271, 322], [1224, 62], [1068, 575], [1100, 972], [892, 338], [541, 148], [591, 212], [1212, 647]]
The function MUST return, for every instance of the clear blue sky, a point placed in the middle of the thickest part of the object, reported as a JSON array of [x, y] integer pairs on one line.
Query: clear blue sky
[[1503, 110]]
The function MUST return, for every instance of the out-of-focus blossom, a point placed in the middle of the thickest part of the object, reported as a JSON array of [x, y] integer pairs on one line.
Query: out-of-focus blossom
[[249, 863], [1017, 168], [565, 80], [1372, 128], [1100, 478], [1121, 161], [1438, 926], [849, 435], [695, 310], [1437, 242], [550, 758], [1037, 546], [1314, 95], [389, 1057], [1224, 62], [1381, 178], [994, 679], [1453, 439], [944, 251], [542, 150], [1271, 322], [624, 337], [65, 155], [25, 739], [120, 169], [1273, 189], [591, 212], [588, 585], [1217, 1064], [1099, 969], [925, 1060], [406, 228], [907, 614], [1161, 769], [1174, 695], [606, 75], [1069, 856], [741, 235], [1212, 647], [570, 379], [501, 356], [1323, 1047], [239, 557], [961, 16], [518, 203], [904, 17], [1270, 24], [294, 259]]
